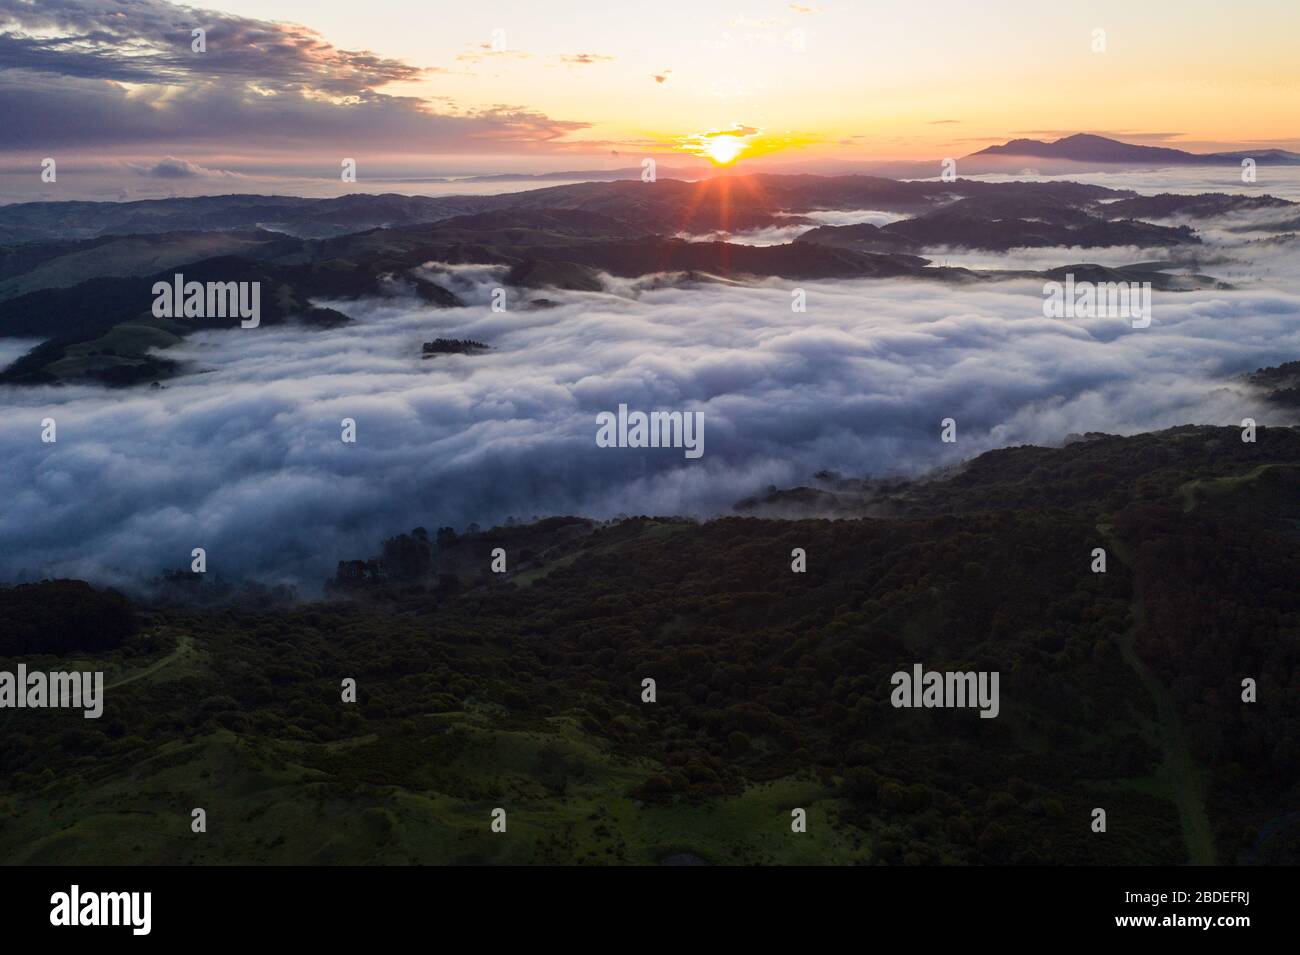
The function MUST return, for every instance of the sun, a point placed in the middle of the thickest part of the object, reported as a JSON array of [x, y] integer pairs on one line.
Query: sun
[[724, 149]]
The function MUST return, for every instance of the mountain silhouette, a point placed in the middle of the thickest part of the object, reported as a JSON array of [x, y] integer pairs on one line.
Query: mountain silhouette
[[1086, 147]]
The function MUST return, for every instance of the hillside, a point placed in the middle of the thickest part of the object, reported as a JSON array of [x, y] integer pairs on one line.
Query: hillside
[[522, 690]]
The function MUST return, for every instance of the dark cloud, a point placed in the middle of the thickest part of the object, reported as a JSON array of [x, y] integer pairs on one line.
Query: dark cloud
[[65, 69], [79, 113], [149, 41]]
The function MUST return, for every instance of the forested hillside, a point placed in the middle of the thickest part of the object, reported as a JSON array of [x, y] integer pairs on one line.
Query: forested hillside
[[523, 690]]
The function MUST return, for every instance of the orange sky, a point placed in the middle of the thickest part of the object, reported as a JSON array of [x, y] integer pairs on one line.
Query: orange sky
[[430, 87], [849, 80]]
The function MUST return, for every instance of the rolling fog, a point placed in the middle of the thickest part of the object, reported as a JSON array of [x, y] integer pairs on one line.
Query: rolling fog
[[242, 455]]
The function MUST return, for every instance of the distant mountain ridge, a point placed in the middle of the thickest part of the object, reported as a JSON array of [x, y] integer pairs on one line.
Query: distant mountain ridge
[[594, 175], [1062, 156], [93, 265], [1086, 147]]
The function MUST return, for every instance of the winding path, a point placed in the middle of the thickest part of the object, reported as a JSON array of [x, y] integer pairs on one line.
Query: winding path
[[1180, 770], [184, 646]]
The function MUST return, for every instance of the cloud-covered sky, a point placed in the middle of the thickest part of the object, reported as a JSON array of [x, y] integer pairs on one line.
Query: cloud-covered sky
[[80, 76], [297, 84], [245, 457]]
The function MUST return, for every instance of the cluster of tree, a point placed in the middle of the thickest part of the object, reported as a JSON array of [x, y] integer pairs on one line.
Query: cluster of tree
[[62, 616], [452, 346]]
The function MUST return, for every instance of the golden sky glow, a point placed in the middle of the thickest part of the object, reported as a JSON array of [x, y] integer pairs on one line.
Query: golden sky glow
[[864, 80], [841, 80], [724, 149]]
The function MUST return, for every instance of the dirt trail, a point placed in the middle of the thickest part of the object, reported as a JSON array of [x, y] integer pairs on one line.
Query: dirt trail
[[184, 646], [1179, 772]]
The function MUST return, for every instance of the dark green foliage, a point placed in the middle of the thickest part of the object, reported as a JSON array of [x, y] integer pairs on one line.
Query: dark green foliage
[[767, 675], [452, 346], [62, 616]]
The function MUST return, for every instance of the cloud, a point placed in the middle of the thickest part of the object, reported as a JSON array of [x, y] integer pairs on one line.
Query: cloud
[[149, 41], [486, 52], [702, 143], [737, 130], [83, 76], [245, 459], [781, 234], [584, 58], [1280, 181], [80, 114], [170, 167]]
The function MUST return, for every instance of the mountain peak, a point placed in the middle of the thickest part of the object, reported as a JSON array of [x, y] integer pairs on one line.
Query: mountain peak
[[1091, 148]]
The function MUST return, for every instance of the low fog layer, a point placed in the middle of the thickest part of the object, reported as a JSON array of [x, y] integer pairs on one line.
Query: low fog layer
[[243, 455], [1280, 181]]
